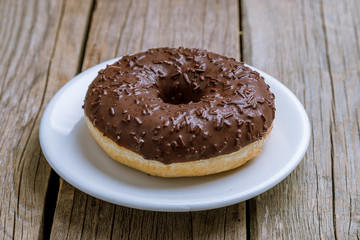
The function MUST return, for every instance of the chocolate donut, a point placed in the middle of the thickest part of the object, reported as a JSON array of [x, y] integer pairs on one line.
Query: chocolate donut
[[179, 112]]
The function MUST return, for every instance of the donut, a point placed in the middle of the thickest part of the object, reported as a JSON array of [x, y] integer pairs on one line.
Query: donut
[[175, 112]]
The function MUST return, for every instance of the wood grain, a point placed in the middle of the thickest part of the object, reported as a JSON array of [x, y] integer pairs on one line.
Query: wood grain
[[313, 48], [125, 27], [32, 66]]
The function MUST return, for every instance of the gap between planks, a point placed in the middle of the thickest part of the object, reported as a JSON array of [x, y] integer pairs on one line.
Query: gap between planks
[[52, 193], [241, 44]]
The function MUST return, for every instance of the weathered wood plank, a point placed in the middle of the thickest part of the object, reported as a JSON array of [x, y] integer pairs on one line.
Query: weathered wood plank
[[341, 25], [125, 27], [312, 47], [32, 65]]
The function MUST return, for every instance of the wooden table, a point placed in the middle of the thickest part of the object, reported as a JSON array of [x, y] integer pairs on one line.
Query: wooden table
[[311, 46]]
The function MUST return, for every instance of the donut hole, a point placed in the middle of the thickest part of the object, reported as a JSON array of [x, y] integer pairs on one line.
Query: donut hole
[[178, 92]]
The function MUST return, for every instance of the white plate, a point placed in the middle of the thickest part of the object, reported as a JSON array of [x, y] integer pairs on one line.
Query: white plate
[[75, 156]]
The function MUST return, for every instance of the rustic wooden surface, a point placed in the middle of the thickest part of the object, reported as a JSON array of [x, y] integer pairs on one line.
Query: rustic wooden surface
[[313, 47]]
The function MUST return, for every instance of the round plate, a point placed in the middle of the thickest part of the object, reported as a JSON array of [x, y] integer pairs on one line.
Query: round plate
[[76, 157]]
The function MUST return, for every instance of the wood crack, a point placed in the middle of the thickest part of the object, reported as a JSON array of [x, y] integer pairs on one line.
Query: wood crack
[[226, 213], [130, 221], [317, 200], [241, 33], [332, 122], [152, 229], [144, 23], [123, 27], [227, 28], [50, 203], [112, 222], [358, 122], [241, 48], [83, 223], [332, 179], [203, 15], [53, 183], [18, 200], [141, 224], [191, 225], [350, 220], [85, 40], [247, 209], [71, 212]]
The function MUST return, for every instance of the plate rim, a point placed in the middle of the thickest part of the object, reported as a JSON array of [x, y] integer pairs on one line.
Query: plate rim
[[192, 206]]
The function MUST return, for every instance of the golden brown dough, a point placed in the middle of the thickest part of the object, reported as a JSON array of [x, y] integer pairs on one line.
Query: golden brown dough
[[186, 169]]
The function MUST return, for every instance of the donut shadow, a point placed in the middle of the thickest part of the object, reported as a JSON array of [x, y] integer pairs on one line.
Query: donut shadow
[[98, 159]]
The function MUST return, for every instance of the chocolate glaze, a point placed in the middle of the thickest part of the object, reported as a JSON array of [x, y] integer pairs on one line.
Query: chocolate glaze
[[180, 105]]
